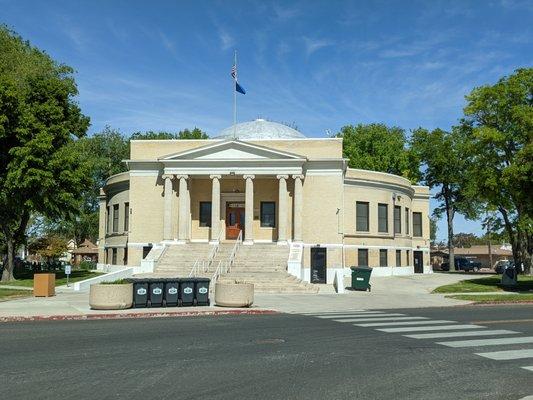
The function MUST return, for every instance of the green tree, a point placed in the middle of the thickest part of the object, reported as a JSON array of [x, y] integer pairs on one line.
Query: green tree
[[433, 230], [377, 147], [443, 167], [498, 130], [39, 119], [184, 134]]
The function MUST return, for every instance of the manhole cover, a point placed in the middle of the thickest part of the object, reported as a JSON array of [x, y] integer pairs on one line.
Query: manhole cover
[[269, 341]]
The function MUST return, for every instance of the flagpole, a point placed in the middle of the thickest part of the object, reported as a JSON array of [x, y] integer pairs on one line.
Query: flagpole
[[235, 99]]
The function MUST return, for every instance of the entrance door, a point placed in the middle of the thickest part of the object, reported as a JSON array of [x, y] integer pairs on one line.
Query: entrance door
[[234, 221], [318, 265], [419, 262]]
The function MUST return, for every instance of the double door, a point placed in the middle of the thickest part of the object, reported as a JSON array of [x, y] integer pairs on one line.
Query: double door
[[234, 221]]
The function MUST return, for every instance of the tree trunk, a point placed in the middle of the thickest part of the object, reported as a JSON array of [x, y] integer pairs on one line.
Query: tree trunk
[[7, 273], [449, 219]]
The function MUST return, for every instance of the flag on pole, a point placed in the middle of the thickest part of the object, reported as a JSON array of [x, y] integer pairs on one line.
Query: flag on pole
[[238, 88]]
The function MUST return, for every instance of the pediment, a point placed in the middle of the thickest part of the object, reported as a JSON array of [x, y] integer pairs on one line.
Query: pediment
[[232, 150]]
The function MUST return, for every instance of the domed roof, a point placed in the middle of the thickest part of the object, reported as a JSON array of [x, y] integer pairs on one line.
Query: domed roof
[[260, 129]]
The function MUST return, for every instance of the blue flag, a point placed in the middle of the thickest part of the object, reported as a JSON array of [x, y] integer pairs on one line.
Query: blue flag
[[239, 88]]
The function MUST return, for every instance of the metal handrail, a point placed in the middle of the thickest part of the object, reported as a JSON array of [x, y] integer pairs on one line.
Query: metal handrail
[[224, 266], [234, 250]]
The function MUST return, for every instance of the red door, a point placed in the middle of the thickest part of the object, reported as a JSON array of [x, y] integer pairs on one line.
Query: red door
[[234, 222]]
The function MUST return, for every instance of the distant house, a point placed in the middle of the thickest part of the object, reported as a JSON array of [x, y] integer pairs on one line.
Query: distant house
[[477, 252], [87, 251]]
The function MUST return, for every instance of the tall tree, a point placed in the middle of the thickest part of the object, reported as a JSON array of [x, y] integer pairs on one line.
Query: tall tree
[[379, 148], [444, 169], [498, 130], [39, 119]]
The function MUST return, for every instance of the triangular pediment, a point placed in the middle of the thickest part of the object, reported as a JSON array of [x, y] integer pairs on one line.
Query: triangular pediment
[[232, 150]]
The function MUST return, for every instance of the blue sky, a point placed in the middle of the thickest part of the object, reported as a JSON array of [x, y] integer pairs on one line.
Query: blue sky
[[164, 65]]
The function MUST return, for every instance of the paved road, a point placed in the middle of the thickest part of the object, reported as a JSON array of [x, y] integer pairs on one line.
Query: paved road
[[285, 356]]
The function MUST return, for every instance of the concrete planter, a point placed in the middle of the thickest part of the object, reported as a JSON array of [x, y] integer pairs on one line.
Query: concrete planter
[[111, 296], [234, 294]]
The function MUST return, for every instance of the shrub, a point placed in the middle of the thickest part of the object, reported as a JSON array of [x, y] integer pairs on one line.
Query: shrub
[[87, 265]]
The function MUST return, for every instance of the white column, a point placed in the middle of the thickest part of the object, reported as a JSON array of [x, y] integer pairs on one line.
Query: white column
[[249, 210], [282, 209], [297, 215], [183, 208], [215, 207], [167, 215]]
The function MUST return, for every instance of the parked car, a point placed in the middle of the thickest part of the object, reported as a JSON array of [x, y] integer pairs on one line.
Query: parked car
[[502, 264], [462, 264]]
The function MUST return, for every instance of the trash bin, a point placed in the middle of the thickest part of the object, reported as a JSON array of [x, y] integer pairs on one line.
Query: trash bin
[[140, 292], [172, 289], [156, 291], [361, 278], [509, 276], [44, 285], [187, 291], [202, 291]]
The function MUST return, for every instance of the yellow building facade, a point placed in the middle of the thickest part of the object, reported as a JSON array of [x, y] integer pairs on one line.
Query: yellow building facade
[[263, 182]]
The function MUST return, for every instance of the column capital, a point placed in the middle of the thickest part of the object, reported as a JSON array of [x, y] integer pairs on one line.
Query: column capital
[[165, 176], [282, 176], [248, 176], [182, 176], [215, 176], [298, 176]]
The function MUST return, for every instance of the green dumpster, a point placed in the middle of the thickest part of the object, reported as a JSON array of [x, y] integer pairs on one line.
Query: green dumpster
[[361, 278]]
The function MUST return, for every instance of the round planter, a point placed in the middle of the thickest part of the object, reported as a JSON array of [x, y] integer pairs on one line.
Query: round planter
[[233, 294], [111, 297]]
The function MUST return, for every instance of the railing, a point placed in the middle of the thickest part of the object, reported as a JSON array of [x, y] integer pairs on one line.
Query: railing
[[224, 266], [204, 265], [214, 249]]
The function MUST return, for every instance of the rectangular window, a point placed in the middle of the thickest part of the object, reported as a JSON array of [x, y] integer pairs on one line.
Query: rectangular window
[[108, 220], [361, 216], [114, 256], [407, 257], [398, 258], [406, 221], [417, 224], [126, 217], [383, 218], [397, 219], [383, 257], [268, 214], [205, 213], [115, 218], [362, 257]]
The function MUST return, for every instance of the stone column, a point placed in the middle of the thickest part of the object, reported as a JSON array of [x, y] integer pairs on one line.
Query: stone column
[[183, 223], [102, 226], [215, 206], [249, 210], [282, 209], [298, 203], [167, 215]]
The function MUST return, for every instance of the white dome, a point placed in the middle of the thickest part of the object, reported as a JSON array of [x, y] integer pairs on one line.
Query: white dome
[[259, 129]]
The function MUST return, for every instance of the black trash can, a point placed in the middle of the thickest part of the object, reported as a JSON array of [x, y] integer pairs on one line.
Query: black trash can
[[187, 291], [202, 291], [140, 292], [156, 292], [172, 290]]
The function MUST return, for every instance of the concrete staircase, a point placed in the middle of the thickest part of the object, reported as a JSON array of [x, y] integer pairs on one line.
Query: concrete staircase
[[265, 265]]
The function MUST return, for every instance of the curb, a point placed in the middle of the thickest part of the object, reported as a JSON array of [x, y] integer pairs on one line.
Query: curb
[[88, 317]]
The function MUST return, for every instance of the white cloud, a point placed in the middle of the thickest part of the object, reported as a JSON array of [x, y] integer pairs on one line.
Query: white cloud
[[313, 45], [226, 40]]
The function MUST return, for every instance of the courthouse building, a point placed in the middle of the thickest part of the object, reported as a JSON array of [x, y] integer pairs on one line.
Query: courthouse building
[[264, 183]]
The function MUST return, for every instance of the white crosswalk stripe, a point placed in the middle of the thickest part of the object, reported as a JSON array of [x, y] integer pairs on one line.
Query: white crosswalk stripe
[[441, 335], [488, 342], [315, 314], [390, 319], [359, 316], [508, 354], [428, 322], [529, 368], [431, 328]]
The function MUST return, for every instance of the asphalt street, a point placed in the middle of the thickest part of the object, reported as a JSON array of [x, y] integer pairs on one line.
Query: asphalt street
[[385, 354]]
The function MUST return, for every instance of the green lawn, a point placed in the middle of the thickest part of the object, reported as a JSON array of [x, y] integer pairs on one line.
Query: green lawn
[[61, 278], [8, 294], [495, 298], [487, 284]]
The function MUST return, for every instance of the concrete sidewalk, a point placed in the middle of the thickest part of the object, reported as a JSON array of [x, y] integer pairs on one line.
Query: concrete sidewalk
[[390, 292]]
